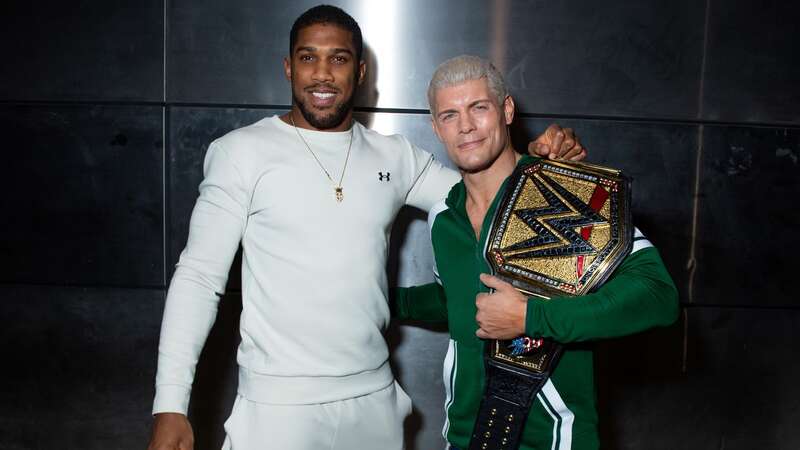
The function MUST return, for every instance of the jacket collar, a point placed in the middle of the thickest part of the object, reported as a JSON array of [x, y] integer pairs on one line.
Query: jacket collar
[[457, 198]]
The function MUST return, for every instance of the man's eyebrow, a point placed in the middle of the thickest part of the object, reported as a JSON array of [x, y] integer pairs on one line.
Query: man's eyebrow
[[309, 48], [342, 50], [479, 101], [445, 111], [453, 110]]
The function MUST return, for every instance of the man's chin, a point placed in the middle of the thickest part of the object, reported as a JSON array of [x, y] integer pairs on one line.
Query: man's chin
[[324, 121], [473, 168], [471, 165]]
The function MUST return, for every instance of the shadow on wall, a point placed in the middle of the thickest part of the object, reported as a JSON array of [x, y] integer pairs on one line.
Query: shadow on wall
[[631, 374], [394, 337], [520, 137], [368, 95], [412, 355], [217, 378]]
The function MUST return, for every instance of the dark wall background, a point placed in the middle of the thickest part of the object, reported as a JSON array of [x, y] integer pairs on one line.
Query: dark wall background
[[106, 109]]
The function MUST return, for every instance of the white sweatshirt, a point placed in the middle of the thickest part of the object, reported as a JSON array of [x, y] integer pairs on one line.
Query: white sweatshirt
[[313, 271]]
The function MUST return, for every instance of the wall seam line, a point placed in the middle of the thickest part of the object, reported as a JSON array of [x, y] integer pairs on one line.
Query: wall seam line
[[691, 264]]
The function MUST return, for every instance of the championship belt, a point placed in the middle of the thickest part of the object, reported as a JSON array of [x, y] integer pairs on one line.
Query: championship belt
[[560, 230]]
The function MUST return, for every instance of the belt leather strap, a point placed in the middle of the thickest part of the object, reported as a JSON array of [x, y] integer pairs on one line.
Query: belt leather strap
[[507, 400]]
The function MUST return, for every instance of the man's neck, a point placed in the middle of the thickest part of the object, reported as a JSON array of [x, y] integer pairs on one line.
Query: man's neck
[[482, 186]]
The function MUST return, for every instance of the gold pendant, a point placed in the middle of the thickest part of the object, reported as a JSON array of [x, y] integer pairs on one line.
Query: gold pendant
[[339, 194]]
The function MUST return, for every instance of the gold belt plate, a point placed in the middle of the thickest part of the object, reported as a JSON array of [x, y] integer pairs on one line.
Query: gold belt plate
[[560, 230]]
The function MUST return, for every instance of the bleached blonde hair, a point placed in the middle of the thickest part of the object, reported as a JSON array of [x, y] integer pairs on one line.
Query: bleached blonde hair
[[464, 68]]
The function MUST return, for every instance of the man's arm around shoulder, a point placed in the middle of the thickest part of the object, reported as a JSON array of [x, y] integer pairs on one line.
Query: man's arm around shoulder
[[640, 295]]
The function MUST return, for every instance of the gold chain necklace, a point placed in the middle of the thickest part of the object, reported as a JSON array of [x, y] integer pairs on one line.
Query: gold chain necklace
[[337, 187]]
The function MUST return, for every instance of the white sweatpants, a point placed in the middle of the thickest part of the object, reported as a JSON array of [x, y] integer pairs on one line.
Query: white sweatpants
[[370, 422]]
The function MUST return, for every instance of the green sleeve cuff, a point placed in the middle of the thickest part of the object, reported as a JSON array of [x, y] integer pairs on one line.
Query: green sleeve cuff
[[397, 302], [535, 317], [426, 302]]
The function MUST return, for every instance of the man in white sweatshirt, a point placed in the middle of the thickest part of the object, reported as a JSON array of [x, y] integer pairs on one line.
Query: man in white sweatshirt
[[310, 196]]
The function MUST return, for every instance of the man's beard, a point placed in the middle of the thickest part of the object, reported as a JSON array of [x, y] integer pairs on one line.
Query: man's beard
[[332, 120]]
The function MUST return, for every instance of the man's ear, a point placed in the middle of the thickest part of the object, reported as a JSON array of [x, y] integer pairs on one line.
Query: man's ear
[[287, 68], [362, 71], [508, 109]]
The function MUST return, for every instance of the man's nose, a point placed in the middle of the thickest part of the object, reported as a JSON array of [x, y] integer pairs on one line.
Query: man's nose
[[322, 71], [465, 123]]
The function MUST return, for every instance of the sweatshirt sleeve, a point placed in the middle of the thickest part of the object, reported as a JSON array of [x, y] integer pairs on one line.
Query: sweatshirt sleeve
[[430, 181], [426, 302], [639, 295], [215, 230]]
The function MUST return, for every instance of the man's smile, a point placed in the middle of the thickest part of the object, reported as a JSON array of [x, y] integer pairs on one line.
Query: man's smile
[[469, 145], [322, 97]]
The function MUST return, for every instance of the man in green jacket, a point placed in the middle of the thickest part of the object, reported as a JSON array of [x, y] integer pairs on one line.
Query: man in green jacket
[[471, 111]]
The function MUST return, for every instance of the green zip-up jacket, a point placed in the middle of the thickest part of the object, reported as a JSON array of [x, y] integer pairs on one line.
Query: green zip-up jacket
[[639, 295]]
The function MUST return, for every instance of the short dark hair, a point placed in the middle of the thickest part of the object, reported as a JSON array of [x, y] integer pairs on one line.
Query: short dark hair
[[327, 14]]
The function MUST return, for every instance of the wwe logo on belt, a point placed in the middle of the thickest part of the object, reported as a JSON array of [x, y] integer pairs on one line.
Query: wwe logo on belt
[[382, 177], [524, 344]]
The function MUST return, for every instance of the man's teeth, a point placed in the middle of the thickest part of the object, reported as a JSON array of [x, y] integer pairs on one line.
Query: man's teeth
[[323, 95]]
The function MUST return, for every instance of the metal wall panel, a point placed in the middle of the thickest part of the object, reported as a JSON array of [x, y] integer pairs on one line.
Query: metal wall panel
[[84, 195], [737, 390], [228, 52], [752, 69], [632, 59], [637, 378], [741, 391], [90, 50], [78, 367], [750, 180], [572, 57]]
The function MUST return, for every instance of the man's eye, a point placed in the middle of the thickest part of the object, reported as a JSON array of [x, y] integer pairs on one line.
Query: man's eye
[[446, 117], [481, 107], [306, 58], [339, 59]]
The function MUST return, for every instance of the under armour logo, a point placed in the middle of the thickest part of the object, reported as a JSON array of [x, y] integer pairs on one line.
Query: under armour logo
[[382, 177]]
